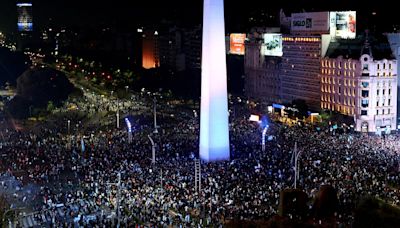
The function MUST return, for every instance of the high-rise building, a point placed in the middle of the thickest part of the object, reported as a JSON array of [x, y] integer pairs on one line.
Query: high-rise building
[[361, 81], [150, 52], [261, 72], [25, 22], [300, 69], [394, 41]]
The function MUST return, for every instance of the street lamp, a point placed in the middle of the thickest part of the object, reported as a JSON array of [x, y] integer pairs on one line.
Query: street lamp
[[69, 125], [155, 115], [153, 150], [296, 156]]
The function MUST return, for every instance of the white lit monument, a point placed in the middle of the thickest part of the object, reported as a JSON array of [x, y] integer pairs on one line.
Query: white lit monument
[[214, 129]]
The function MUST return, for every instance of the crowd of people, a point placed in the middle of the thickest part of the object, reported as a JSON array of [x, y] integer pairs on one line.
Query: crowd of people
[[102, 171]]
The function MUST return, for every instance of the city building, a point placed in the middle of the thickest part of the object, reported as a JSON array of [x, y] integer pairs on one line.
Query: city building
[[171, 50], [300, 69], [150, 51], [262, 72], [24, 25], [394, 41], [192, 47], [360, 80]]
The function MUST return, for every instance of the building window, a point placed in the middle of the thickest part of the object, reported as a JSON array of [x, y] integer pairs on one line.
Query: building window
[[390, 91], [364, 112], [389, 111], [383, 92], [365, 67], [377, 92], [377, 66], [365, 84], [384, 65], [383, 111], [389, 102], [377, 74], [364, 103], [364, 93], [340, 65], [377, 112], [377, 103]]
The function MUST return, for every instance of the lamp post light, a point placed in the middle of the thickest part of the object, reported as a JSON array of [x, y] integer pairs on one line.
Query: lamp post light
[[153, 150], [155, 114], [117, 113], [296, 166]]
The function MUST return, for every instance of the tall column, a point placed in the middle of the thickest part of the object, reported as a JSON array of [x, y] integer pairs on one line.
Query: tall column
[[214, 129]]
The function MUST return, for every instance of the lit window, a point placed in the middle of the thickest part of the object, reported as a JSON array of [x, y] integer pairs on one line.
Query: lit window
[[377, 74]]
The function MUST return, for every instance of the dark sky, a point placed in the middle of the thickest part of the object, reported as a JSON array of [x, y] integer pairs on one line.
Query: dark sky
[[128, 13]]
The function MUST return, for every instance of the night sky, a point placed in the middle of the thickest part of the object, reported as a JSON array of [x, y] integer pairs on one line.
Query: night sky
[[129, 14]]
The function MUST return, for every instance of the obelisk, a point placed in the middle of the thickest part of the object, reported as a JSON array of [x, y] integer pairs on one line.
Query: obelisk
[[214, 129]]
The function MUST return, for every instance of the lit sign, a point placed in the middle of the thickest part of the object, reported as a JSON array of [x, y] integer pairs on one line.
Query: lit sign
[[310, 22], [237, 46], [24, 17], [272, 45], [343, 24]]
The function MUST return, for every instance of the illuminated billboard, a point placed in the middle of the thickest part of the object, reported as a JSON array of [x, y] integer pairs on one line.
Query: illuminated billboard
[[272, 45], [343, 24], [25, 23], [310, 22], [237, 43]]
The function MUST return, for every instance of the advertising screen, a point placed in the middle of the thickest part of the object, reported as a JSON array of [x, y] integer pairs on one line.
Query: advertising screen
[[272, 45], [343, 24], [237, 43], [24, 17], [310, 22]]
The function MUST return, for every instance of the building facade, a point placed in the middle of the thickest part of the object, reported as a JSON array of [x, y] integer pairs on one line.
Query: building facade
[[339, 83], [300, 69], [262, 74], [365, 89], [394, 41]]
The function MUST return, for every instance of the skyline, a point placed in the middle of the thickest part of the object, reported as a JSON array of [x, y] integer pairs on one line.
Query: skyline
[[127, 15]]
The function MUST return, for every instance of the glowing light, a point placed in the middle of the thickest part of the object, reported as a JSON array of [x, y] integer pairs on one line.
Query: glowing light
[[214, 130], [24, 4], [254, 118], [128, 124]]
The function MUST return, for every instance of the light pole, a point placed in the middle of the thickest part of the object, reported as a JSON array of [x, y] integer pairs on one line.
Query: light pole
[[117, 113], [264, 133], [69, 125], [153, 150], [296, 167], [155, 115]]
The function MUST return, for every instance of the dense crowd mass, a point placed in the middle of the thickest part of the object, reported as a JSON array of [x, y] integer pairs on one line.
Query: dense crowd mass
[[247, 187]]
